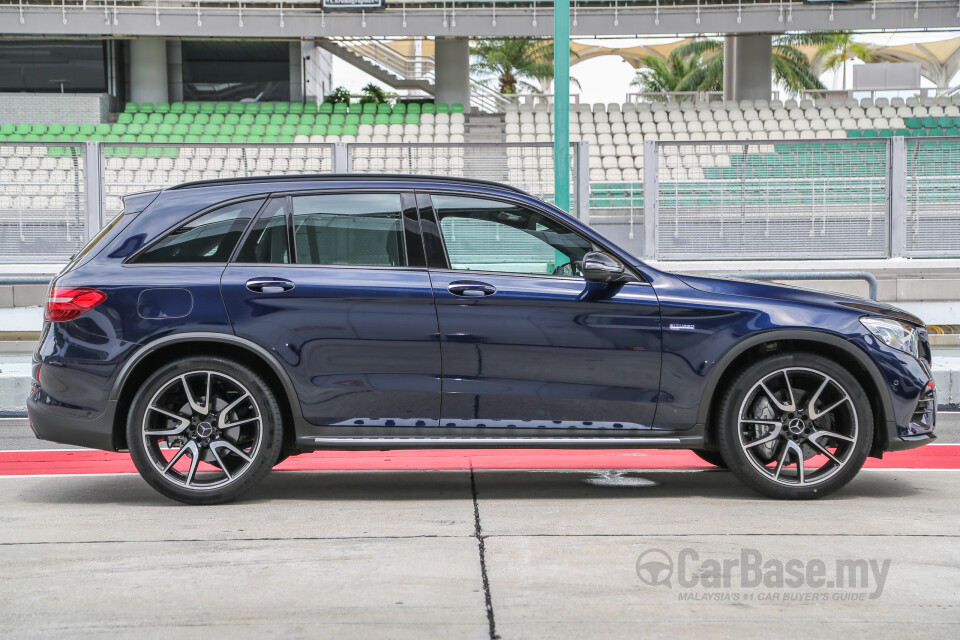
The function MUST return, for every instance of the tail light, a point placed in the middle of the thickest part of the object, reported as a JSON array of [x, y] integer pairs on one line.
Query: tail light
[[67, 303]]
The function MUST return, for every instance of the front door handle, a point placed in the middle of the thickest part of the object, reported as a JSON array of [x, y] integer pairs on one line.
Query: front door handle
[[269, 285], [471, 288]]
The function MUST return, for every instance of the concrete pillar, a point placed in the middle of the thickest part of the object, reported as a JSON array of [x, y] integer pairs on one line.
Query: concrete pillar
[[747, 67], [148, 70], [452, 57], [175, 71], [317, 71], [296, 72]]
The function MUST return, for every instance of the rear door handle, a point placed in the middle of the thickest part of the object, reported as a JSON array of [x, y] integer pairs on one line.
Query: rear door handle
[[269, 285], [471, 288]]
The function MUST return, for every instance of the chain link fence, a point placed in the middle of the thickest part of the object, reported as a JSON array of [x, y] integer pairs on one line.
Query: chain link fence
[[526, 166], [773, 200], [130, 169], [933, 197], [42, 203]]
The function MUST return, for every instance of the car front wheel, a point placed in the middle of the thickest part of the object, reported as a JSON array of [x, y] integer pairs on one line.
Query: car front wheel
[[795, 426], [204, 430]]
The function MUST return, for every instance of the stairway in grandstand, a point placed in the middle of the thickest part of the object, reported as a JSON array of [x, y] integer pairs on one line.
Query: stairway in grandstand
[[482, 153]]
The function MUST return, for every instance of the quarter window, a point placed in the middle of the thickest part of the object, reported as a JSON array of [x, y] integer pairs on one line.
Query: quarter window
[[209, 238], [487, 235], [359, 229]]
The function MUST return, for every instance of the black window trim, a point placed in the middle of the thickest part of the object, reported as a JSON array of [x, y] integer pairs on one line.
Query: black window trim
[[429, 212], [131, 260], [253, 222]]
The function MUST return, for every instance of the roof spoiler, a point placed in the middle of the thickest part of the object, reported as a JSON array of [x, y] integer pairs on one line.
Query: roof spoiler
[[134, 203]]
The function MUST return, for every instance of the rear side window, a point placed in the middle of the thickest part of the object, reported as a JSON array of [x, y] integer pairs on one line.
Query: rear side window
[[267, 242], [358, 229], [209, 238]]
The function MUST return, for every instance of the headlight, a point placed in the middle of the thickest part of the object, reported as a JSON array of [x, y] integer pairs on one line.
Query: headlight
[[893, 333]]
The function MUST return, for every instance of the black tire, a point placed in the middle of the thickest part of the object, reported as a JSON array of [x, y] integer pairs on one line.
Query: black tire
[[809, 430], [711, 457], [240, 435]]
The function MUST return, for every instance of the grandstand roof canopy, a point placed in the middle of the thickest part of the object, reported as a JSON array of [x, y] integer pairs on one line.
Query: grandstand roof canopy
[[939, 60]]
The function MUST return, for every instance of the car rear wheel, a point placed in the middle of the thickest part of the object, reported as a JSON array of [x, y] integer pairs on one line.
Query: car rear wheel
[[795, 426], [204, 430]]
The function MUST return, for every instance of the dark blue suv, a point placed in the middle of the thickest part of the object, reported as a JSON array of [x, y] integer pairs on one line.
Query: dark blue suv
[[215, 328]]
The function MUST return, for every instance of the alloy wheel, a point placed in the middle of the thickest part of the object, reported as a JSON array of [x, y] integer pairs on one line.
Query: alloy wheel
[[202, 430], [798, 426]]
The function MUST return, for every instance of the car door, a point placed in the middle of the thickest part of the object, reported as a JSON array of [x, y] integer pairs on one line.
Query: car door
[[526, 342], [335, 285]]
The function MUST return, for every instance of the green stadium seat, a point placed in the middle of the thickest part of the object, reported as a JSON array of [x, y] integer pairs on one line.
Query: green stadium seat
[[928, 123], [180, 129], [164, 129], [56, 129], [919, 133], [231, 118], [383, 107], [270, 139], [325, 107], [208, 139], [292, 118], [16, 137], [7, 128], [222, 138], [428, 108], [296, 107], [886, 133], [160, 137], [155, 118], [247, 118], [871, 133], [222, 108], [456, 107], [335, 130], [443, 108], [338, 118], [201, 118], [111, 137], [207, 107], [354, 107], [88, 129], [211, 129], [414, 108], [318, 130], [143, 137], [308, 118], [904, 132], [125, 118], [352, 118], [369, 107], [177, 107], [40, 129], [251, 107], [267, 107], [945, 122], [238, 138], [131, 107], [285, 139], [399, 108], [254, 139], [288, 130], [350, 130], [340, 107], [187, 118], [195, 129], [191, 139], [63, 137], [236, 108], [176, 138], [382, 118], [310, 108], [303, 129], [22, 129], [396, 118], [282, 107], [139, 118], [278, 118], [31, 137], [258, 130], [242, 130], [135, 129], [191, 107], [217, 118], [323, 118], [227, 129], [171, 118], [163, 107], [367, 118], [412, 118], [272, 130], [936, 131], [147, 107], [952, 131], [261, 118]]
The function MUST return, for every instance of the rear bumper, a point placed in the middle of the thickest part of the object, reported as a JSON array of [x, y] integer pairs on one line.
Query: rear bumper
[[52, 423]]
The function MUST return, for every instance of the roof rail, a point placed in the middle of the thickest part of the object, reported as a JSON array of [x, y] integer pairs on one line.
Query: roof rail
[[346, 177]]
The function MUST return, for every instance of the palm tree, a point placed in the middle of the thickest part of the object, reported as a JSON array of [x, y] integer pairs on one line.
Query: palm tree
[[514, 61], [791, 67], [660, 75], [840, 49]]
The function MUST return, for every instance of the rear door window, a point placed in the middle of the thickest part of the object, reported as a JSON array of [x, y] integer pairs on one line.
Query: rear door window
[[356, 229]]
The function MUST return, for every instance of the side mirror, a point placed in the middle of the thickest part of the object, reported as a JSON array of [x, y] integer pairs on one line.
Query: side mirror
[[602, 267]]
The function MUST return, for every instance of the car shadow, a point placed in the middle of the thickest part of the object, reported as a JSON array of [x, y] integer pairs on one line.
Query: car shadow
[[374, 486]]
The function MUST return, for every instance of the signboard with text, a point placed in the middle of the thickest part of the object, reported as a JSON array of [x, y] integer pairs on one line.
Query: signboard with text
[[354, 5]]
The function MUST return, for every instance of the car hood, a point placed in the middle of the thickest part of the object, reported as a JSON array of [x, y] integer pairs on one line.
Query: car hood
[[788, 293]]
